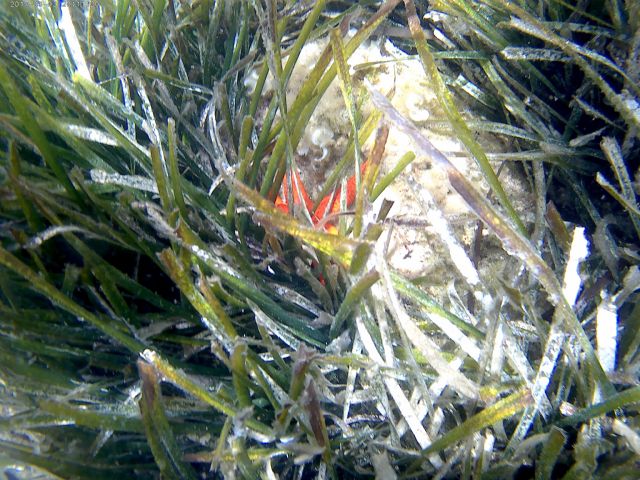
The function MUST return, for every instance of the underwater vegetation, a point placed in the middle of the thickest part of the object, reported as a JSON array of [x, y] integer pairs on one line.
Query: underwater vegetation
[[281, 239]]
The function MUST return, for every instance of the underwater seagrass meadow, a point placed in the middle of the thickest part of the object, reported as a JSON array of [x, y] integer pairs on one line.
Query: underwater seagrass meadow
[[277, 239]]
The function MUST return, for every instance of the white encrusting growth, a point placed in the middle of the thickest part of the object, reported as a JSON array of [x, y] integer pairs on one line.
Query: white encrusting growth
[[91, 134], [606, 335], [51, 232], [579, 251], [136, 182]]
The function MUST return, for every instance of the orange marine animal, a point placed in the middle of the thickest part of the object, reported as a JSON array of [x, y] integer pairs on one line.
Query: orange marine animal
[[329, 205]]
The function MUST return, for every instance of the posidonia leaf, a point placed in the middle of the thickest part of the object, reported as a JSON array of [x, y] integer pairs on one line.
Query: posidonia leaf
[[339, 248], [550, 452], [346, 86], [619, 400], [159, 434], [498, 411]]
